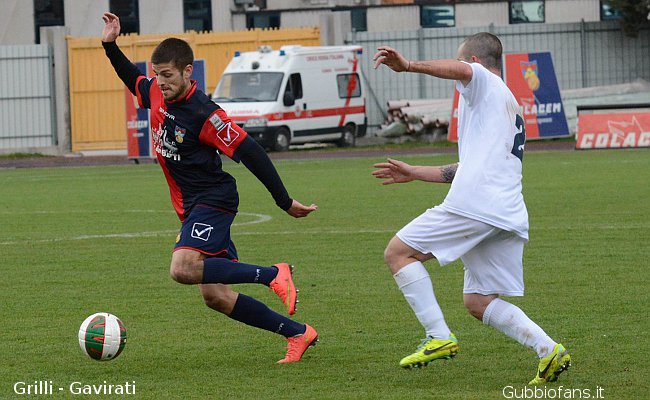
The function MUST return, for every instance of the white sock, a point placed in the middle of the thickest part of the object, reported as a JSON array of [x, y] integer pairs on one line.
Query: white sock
[[415, 283], [511, 320]]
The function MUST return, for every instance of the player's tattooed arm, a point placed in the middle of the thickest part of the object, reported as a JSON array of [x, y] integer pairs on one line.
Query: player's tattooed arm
[[395, 171], [448, 172]]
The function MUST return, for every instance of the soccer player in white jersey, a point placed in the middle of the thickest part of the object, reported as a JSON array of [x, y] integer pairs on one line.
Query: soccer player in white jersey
[[483, 220]]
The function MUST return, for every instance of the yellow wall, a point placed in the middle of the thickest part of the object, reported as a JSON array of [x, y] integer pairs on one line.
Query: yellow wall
[[97, 109]]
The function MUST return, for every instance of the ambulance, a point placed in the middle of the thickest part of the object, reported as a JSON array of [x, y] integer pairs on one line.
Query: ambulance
[[296, 95]]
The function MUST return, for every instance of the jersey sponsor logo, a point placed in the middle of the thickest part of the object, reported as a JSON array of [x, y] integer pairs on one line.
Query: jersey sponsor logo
[[164, 143], [225, 132], [201, 231], [166, 114]]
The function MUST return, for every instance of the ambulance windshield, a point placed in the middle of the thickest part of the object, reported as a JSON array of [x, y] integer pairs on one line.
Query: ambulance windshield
[[248, 86]]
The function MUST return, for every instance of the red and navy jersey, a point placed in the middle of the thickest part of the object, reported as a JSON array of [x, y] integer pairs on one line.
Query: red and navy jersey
[[186, 135]]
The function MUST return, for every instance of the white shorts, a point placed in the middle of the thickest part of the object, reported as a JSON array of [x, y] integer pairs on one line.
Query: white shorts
[[492, 257]]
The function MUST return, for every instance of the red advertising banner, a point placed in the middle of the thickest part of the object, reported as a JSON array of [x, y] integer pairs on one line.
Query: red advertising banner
[[138, 141], [612, 129], [137, 128]]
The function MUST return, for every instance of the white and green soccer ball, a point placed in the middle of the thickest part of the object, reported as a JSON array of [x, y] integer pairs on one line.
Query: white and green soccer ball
[[102, 336]]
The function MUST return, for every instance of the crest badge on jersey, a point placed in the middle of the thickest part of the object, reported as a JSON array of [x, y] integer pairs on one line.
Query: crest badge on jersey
[[179, 134]]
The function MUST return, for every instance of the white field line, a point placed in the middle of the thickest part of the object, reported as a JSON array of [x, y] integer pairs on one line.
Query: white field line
[[260, 218], [264, 218], [174, 231], [77, 176], [97, 211]]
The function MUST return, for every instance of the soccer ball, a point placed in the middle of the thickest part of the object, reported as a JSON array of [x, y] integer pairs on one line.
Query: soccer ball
[[102, 336]]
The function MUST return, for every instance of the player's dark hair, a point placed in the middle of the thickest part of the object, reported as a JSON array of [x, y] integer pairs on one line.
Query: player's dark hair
[[486, 47], [175, 51]]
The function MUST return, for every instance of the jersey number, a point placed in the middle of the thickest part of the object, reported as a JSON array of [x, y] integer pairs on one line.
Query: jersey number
[[520, 138]]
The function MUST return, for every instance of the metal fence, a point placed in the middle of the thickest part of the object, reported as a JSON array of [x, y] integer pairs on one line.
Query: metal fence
[[584, 55], [26, 97]]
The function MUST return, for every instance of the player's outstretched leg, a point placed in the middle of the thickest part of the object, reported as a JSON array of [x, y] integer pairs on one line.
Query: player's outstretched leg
[[254, 313], [297, 345], [511, 320], [431, 349], [551, 366], [284, 287]]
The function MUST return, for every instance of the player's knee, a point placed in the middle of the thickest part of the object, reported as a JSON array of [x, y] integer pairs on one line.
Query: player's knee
[[219, 298], [388, 255], [391, 255], [217, 302], [188, 273], [397, 255], [475, 311], [476, 305]]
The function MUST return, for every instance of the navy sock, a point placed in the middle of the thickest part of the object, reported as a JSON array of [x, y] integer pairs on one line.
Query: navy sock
[[223, 270], [255, 313]]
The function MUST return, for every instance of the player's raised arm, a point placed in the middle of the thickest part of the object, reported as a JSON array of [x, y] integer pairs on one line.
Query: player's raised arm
[[445, 69], [124, 68], [111, 27], [391, 58]]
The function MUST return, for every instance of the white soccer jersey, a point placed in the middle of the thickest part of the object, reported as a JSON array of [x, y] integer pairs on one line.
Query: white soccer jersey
[[491, 137]]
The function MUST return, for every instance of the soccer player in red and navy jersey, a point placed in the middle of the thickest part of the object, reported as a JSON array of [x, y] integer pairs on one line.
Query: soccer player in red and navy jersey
[[188, 129]]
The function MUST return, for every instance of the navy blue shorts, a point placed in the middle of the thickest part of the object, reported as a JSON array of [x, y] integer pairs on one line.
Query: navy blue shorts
[[207, 230]]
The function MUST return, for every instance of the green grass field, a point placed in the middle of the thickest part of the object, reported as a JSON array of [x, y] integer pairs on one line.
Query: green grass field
[[75, 241]]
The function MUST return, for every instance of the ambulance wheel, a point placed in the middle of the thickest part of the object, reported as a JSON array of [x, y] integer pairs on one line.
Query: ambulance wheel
[[282, 140], [348, 136]]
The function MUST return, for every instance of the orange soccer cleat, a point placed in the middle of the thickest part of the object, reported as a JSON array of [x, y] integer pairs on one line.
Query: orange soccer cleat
[[283, 286], [297, 345]]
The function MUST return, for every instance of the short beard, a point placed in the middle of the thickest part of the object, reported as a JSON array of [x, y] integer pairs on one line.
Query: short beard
[[181, 91]]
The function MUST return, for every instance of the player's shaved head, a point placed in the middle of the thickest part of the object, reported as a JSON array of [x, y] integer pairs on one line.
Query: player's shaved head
[[484, 46], [175, 51]]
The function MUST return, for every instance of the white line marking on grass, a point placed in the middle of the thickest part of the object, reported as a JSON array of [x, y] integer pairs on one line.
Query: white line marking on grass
[[264, 218], [174, 231], [317, 232], [98, 211], [80, 176], [260, 219]]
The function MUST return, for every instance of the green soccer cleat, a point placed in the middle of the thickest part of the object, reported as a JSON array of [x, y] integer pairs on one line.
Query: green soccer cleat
[[551, 366], [431, 349]]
